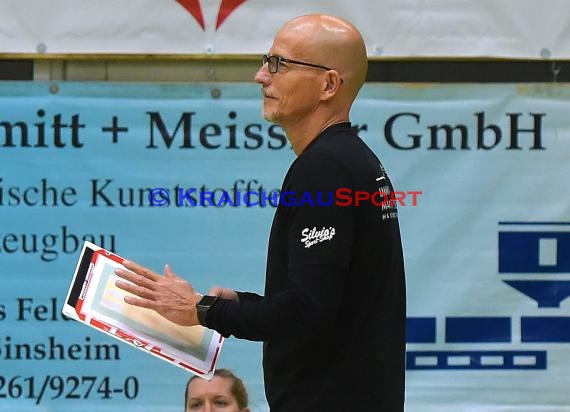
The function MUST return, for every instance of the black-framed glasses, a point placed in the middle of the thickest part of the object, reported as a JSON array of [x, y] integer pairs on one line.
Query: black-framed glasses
[[274, 61]]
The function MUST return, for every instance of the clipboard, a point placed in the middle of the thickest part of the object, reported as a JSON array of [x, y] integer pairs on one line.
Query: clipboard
[[94, 300]]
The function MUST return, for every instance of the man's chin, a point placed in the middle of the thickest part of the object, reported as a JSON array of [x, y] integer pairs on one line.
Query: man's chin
[[271, 117]]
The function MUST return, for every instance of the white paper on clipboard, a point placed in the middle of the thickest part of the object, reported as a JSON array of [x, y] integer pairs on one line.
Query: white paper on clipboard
[[93, 299]]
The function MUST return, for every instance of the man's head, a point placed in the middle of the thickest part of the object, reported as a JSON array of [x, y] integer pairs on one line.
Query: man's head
[[297, 93]]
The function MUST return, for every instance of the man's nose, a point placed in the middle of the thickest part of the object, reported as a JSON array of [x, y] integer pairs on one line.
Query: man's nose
[[262, 76]]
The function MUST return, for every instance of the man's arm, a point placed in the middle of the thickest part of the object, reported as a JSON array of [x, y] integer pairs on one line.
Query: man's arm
[[309, 309]]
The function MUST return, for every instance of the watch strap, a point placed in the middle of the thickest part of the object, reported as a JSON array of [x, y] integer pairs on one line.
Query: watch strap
[[203, 306]]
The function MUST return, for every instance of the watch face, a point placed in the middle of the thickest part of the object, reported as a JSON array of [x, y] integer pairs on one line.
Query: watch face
[[207, 300]]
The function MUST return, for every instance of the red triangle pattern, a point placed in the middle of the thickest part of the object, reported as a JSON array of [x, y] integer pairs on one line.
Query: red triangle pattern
[[226, 8], [194, 8]]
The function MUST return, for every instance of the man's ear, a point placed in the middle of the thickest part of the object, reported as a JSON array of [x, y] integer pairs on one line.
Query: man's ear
[[332, 84]]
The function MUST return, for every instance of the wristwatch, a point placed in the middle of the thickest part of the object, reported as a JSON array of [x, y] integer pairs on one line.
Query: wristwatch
[[203, 306]]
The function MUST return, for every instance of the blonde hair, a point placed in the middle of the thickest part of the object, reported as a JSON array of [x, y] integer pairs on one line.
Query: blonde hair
[[237, 389]]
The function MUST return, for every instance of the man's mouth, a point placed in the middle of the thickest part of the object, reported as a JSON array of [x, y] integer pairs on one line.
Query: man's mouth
[[267, 95]]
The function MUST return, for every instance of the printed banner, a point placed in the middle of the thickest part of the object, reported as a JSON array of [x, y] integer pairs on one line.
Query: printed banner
[[159, 173], [523, 29]]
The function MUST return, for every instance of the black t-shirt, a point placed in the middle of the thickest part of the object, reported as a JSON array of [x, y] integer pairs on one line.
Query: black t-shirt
[[333, 315]]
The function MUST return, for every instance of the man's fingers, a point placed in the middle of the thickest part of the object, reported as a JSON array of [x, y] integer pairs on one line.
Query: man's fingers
[[127, 275], [215, 291], [142, 303], [168, 272], [135, 278], [135, 284], [139, 291], [141, 270], [224, 293]]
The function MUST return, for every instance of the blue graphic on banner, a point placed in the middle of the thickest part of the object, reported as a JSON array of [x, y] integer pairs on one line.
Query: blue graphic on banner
[[547, 293], [478, 329], [538, 253], [530, 252], [420, 330], [545, 329], [430, 360]]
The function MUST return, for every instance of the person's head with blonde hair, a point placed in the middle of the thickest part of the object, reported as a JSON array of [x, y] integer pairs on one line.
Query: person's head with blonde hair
[[225, 392]]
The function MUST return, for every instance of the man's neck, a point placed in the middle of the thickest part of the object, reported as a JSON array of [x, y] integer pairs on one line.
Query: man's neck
[[302, 133]]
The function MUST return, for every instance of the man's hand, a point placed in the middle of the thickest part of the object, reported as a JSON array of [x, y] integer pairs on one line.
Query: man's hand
[[224, 293], [168, 295]]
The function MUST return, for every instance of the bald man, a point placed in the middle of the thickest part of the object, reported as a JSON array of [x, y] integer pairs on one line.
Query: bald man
[[332, 318]]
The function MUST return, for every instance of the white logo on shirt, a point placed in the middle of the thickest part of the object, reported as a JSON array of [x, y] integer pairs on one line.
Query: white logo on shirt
[[313, 236]]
